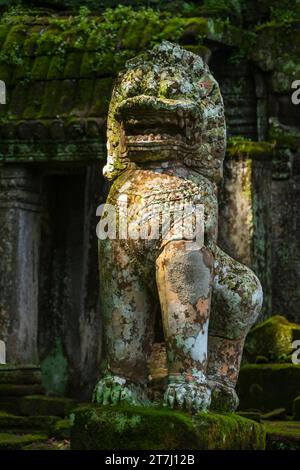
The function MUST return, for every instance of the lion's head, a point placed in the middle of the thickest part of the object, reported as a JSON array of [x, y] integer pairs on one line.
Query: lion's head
[[166, 106]]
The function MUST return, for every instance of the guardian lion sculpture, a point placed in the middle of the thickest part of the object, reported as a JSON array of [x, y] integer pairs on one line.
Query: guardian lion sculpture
[[166, 142]]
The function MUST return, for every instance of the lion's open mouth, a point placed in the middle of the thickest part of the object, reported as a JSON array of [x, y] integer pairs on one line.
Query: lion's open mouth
[[149, 124], [170, 131]]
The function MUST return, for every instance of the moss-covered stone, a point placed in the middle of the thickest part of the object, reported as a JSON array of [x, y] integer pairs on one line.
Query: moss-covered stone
[[10, 404], [228, 431], [16, 390], [43, 405], [14, 375], [10, 441], [61, 429], [296, 408], [9, 422], [253, 415], [51, 444], [266, 387], [239, 147], [282, 435], [275, 415], [284, 136], [124, 427], [272, 339], [277, 51]]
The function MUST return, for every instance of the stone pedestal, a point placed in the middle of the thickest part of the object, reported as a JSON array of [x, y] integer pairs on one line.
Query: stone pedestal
[[143, 428], [19, 255]]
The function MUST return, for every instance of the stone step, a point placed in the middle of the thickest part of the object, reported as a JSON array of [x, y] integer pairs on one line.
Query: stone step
[[282, 435], [9, 441], [37, 405], [20, 390], [10, 405], [10, 422], [22, 375], [51, 444], [61, 429]]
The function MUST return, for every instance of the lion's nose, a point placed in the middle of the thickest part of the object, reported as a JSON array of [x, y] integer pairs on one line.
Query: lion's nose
[[144, 105]]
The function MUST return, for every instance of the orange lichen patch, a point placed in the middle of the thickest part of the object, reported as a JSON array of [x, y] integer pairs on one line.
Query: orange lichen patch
[[202, 308]]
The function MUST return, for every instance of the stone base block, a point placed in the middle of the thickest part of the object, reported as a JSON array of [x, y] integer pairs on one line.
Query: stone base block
[[141, 428], [266, 387]]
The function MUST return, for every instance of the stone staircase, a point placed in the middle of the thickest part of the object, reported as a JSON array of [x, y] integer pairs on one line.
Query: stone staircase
[[30, 420]]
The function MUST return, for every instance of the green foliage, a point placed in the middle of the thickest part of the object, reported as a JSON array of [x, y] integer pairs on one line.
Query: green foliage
[[13, 55], [113, 37], [282, 15]]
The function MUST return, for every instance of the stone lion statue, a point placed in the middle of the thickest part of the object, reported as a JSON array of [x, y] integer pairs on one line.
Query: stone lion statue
[[166, 142]]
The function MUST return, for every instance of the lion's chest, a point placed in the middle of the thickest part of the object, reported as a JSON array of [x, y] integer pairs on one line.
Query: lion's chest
[[159, 198]]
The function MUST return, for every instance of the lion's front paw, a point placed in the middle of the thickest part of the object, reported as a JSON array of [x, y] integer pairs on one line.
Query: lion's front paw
[[191, 395], [112, 389]]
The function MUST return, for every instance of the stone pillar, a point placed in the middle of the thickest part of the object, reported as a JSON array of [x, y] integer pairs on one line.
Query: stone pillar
[[245, 223], [19, 258]]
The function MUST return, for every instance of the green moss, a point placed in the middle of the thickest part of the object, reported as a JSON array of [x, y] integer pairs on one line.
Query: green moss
[[272, 338], [55, 370], [229, 431], [23, 71], [17, 390], [296, 409], [83, 98], [283, 435], [18, 100], [11, 422], [33, 104], [284, 136], [30, 43], [138, 34], [240, 147], [3, 34], [278, 414], [56, 67], [73, 64], [6, 71], [40, 68], [43, 405], [51, 444], [124, 427], [61, 429], [50, 100], [49, 41], [89, 64], [260, 386], [10, 405], [101, 97], [20, 376], [277, 51], [253, 415], [177, 28], [16, 442], [199, 49], [15, 36]]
